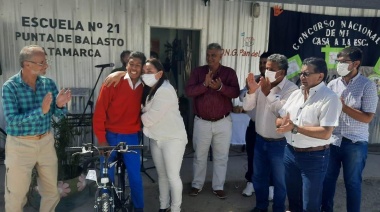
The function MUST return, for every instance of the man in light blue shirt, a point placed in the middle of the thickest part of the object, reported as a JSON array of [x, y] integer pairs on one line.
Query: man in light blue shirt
[[349, 148]]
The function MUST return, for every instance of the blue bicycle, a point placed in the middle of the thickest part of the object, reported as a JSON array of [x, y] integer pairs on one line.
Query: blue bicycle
[[109, 196]]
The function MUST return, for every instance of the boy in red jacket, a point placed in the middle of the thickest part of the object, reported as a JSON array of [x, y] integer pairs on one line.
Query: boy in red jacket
[[117, 118]]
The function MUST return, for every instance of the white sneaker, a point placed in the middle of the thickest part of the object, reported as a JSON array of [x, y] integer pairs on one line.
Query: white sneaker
[[143, 159], [248, 191], [271, 193]]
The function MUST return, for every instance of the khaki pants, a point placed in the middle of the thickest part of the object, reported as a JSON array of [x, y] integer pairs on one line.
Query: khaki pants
[[218, 135], [21, 156]]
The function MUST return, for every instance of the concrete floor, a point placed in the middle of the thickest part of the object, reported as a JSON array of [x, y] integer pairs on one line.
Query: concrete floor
[[235, 183]]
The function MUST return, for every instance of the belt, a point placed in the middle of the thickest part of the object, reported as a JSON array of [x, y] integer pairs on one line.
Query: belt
[[214, 119], [34, 137], [273, 139], [311, 149], [344, 139]]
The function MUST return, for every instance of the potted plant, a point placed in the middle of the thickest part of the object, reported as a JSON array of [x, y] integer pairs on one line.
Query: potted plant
[[71, 180]]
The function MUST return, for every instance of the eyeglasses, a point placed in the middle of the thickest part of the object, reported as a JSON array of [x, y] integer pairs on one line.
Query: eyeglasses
[[306, 74], [40, 64], [342, 61]]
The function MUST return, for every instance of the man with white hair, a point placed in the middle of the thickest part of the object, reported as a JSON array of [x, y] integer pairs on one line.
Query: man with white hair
[[29, 102]]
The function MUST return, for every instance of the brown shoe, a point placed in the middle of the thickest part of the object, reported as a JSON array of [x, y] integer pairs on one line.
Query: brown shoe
[[194, 191], [220, 194]]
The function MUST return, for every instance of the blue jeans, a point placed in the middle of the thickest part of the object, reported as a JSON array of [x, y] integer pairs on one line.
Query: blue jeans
[[304, 175], [269, 157], [132, 163], [353, 157]]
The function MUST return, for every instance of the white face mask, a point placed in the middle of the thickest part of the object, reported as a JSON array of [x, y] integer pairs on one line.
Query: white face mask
[[342, 69], [271, 75], [149, 79]]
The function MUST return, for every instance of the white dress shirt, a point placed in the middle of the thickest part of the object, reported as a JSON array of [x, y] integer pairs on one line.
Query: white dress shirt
[[267, 107], [127, 77], [321, 108], [161, 117]]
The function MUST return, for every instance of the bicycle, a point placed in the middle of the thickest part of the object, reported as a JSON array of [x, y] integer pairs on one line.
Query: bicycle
[[109, 196]]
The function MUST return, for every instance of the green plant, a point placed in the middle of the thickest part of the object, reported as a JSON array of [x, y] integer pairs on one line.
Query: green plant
[[64, 135]]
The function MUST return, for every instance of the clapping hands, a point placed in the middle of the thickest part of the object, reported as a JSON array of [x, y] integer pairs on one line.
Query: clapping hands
[[252, 84], [286, 125]]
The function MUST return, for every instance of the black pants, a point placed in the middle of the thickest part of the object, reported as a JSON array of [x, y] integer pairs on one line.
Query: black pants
[[250, 140]]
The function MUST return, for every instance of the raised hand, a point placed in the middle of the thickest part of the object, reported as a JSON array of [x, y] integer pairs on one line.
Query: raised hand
[[63, 97], [265, 85], [252, 84], [216, 84], [46, 102], [114, 78]]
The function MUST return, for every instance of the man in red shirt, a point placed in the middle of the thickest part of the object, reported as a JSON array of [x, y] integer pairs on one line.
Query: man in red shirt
[[117, 118], [212, 87]]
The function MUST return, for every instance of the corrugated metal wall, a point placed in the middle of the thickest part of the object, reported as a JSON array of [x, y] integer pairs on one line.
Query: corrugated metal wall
[[227, 22]]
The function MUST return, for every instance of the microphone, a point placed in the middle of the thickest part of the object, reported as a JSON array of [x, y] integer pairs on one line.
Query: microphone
[[105, 65]]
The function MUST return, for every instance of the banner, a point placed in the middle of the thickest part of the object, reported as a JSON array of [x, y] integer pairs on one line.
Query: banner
[[301, 35]]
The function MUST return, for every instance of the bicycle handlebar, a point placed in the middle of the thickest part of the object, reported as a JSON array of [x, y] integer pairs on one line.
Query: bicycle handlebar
[[89, 148]]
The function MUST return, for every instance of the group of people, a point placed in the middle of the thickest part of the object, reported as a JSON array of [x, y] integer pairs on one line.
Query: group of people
[[304, 136], [297, 140]]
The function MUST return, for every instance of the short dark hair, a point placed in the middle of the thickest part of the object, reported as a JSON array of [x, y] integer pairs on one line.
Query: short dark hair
[[265, 55], [281, 61], [122, 55], [319, 64], [354, 53], [153, 54], [138, 55]]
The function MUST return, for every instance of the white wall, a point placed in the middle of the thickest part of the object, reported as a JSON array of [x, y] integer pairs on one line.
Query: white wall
[[223, 22]]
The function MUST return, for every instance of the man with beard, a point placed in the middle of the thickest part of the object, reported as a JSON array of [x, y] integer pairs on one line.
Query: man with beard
[[29, 102]]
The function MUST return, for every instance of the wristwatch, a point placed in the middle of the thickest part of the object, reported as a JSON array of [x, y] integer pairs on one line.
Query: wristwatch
[[295, 129]]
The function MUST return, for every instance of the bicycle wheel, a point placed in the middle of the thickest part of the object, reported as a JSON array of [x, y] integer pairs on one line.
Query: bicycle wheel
[[124, 201], [105, 205]]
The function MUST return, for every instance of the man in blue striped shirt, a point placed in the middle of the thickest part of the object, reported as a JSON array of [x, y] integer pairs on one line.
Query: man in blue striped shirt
[[29, 102], [349, 149]]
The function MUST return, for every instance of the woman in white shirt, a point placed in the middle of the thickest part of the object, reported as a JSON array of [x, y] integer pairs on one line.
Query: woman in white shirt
[[164, 126]]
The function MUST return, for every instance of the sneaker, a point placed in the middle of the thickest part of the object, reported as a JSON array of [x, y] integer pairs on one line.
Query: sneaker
[[194, 191], [220, 194], [271, 193], [143, 159], [248, 191]]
